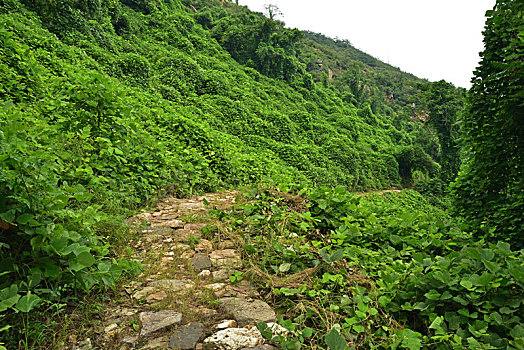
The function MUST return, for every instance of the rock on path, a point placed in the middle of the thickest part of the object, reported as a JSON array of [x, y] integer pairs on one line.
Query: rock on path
[[154, 321], [248, 311]]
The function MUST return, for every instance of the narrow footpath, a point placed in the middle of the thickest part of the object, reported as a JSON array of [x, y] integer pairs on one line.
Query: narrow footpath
[[191, 293]]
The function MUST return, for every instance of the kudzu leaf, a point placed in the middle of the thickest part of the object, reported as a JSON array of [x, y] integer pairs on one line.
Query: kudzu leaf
[[358, 328], [79, 249], [322, 203], [284, 267], [58, 245], [85, 259], [307, 332], [51, 270], [437, 322], [27, 303], [263, 328], [335, 341], [8, 216], [104, 266], [517, 332], [35, 278], [24, 218], [383, 301], [491, 266], [337, 255], [8, 297], [466, 284]]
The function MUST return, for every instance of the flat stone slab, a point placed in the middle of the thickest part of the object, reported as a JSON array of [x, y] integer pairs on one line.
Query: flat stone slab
[[225, 257], [234, 339], [222, 274], [261, 347], [173, 285], [247, 312], [154, 321], [169, 223], [186, 337], [201, 262], [158, 230], [144, 292]]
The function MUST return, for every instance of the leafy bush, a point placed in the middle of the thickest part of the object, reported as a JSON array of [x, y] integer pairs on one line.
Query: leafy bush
[[384, 270], [489, 189]]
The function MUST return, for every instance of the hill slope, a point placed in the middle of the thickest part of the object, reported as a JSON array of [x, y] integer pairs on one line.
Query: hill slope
[[107, 105]]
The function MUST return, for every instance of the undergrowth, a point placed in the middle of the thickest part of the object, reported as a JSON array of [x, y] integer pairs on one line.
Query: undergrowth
[[379, 271]]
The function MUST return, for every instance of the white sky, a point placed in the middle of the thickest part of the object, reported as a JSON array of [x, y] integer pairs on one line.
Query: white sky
[[431, 39]]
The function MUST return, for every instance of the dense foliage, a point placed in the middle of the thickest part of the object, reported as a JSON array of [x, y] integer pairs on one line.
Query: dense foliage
[[106, 105], [490, 188], [385, 271]]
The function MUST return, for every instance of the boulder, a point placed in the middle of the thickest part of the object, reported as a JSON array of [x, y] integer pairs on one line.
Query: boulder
[[186, 337], [248, 311]]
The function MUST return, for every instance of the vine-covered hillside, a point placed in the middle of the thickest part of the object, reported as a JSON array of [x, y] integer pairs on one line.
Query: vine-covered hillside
[[106, 106], [239, 108]]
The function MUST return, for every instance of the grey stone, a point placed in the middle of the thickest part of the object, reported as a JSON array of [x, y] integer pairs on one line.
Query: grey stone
[[159, 230], [186, 337], [85, 345], [173, 285], [233, 339], [201, 262], [261, 347], [225, 258], [221, 275], [144, 292], [157, 343], [129, 340], [154, 321], [247, 312]]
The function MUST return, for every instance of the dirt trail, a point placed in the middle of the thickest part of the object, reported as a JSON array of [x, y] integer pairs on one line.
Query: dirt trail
[[184, 298], [190, 294], [379, 192]]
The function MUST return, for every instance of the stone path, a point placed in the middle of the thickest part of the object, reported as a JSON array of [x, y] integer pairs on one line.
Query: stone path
[[184, 298]]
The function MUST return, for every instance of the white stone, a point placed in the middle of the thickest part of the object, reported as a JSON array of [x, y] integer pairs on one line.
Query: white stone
[[205, 273], [227, 324], [110, 328], [234, 339], [215, 286], [173, 285]]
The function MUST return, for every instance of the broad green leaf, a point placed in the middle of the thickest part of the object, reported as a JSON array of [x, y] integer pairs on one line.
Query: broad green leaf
[[51, 270], [8, 216], [437, 322], [358, 328], [24, 218], [335, 341], [466, 284], [410, 339], [307, 332], [85, 259], [322, 203], [493, 267], [8, 302], [58, 245], [337, 255], [284, 267], [383, 301], [517, 332], [35, 278], [263, 328], [28, 302]]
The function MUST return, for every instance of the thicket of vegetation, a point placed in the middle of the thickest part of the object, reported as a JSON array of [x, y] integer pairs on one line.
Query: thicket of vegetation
[[105, 105], [385, 271], [489, 191]]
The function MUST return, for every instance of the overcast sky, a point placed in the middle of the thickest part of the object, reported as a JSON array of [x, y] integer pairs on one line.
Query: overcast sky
[[431, 39]]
